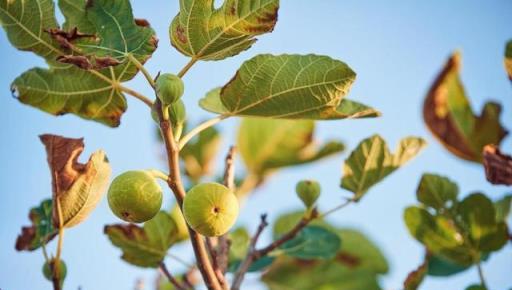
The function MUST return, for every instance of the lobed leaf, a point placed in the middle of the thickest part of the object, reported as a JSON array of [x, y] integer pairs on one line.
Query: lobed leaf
[[144, 246], [266, 145], [288, 87], [372, 161], [498, 166], [449, 116], [437, 192], [503, 207], [41, 231], [203, 32], [87, 60], [77, 187]]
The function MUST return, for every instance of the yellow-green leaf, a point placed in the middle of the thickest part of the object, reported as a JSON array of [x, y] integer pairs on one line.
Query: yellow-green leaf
[[76, 187], [372, 161], [267, 144], [437, 191], [87, 59], [203, 32], [448, 114], [41, 231], [289, 87], [144, 246]]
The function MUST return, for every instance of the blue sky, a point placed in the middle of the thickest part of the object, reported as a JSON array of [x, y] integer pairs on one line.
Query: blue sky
[[396, 48]]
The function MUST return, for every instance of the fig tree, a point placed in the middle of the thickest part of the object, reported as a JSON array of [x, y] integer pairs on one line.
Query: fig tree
[[210, 209], [308, 191], [135, 196], [169, 88]]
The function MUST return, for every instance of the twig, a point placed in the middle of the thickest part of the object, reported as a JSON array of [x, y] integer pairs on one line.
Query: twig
[[251, 254], [337, 208], [203, 126], [170, 277], [481, 275], [175, 184], [137, 95], [185, 69], [55, 263], [229, 182], [141, 67]]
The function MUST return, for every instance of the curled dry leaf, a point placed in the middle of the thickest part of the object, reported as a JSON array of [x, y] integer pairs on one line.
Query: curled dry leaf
[[448, 115], [498, 166], [77, 187]]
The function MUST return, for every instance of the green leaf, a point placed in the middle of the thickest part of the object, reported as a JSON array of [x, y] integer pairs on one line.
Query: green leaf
[[372, 161], [287, 221], [485, 232], [440, 267], [86, 61], [240, 240], [203, 32], [312, 242], [266, 144], [502, 208], [77, 187], [288, 87], [476, 287], [437, 191], [448, 114], [199, 154], [359, 252], [144, 246], [439, 235], [508, 59], [41, 231], [416, 277]]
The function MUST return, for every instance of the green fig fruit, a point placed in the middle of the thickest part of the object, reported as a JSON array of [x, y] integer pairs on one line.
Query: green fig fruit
[[135, 196], [210, 209], [169, 88], [48, 273], [308, 191]]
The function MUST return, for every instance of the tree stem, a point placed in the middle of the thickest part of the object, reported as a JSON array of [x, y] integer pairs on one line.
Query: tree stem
[[481, 274], [55, 263], [141, 67], [170, 277], [185, 69], [175, 184], [137, 95], [203, 126]]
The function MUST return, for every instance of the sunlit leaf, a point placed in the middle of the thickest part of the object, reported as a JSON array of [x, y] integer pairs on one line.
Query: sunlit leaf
[[41, 231], [448, 114], [485, 232], [372, 161], [502, 208], [86, 60], [289, 87], [312, 242], [266, 144], [199, 154], [203, 32], [437, 191], [144, 246], [77, 187], [498, 166], [508, 59]]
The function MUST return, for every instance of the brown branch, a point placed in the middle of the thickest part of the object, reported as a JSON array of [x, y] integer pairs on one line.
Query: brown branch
[[175, 184], [253, 255], [229, 182], [171, 278]]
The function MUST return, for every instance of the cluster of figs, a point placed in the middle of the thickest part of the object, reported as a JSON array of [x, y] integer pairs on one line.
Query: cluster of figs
[[211, 209]]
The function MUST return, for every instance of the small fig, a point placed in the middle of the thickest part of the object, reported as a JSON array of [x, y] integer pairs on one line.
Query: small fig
[[308, 191], [169, 88], [135, 196], [210, 209], [48, 273]]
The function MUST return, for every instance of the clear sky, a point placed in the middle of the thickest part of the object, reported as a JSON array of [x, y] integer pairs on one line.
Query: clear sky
[[396, 48]]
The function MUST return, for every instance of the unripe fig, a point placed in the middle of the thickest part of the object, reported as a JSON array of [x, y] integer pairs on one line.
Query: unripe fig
[[62, 270], [135, 196], [210, 209], [308, 191], [169, 88]]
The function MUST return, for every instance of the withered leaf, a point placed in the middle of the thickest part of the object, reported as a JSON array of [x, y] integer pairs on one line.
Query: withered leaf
[[77, 187], [498, 166], [448, 114]]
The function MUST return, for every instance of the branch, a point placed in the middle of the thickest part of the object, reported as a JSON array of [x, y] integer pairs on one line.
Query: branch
[[203, 126], [141, 67], [250, 258], [185, 69], [229, 182], [137, 95], [55, 263], [175, 184], [170, 277]]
